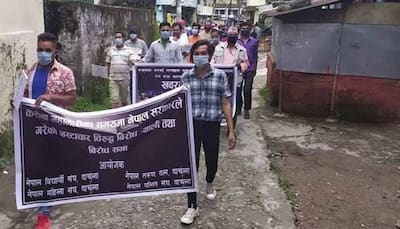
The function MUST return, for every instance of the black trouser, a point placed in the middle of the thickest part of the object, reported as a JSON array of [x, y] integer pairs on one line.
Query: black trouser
[[206, 133], [248, 86]]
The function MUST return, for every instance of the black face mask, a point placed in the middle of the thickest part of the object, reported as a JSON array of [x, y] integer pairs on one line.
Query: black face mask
[[232, 39], [245, 32]]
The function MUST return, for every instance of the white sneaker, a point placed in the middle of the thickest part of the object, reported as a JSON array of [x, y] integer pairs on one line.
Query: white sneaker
[[190, 215], [211, 192]]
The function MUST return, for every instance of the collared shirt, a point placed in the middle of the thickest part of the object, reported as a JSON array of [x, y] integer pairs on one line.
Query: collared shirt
[[207, 93], [120, 60], [182, 41], [194, 39], [139, 46], [60, 79], [252, 51], [225, 55], [157, 53]]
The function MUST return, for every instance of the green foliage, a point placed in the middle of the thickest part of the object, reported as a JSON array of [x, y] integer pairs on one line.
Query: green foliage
[[84, 104], [156, 32], [95, 89], [264, 94], [95, 96], [7, 148], [285, 186]]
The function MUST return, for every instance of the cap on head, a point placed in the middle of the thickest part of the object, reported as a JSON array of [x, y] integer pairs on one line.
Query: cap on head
[[133, 29]]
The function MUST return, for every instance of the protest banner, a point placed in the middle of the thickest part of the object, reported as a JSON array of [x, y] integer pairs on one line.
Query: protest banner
[[149, 79], [142, 149]]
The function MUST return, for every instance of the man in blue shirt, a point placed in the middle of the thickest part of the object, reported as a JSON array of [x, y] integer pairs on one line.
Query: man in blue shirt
[[251, 45], [52, 82], [210, 102]]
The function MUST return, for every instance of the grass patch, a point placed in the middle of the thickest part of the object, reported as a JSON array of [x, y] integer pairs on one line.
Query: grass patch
[[273, 167], [264, 94], [95, 96], [84, 104], [7, 148], [285, 186]]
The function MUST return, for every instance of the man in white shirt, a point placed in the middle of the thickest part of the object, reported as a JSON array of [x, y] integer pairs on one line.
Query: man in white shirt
[[179, 36], [138, 45], [119, 60], [231, 52]]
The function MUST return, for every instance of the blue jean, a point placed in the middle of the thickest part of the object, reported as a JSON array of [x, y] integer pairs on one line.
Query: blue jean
[[45, 210]]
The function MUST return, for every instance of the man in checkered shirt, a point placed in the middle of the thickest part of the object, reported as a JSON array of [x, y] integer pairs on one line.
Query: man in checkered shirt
[[210, 102]]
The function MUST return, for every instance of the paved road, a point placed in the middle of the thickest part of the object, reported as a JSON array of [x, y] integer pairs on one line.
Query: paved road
[[248, 194]]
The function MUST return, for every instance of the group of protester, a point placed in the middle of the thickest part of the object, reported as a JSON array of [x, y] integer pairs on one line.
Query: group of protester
[[53, 82], [235, 47]]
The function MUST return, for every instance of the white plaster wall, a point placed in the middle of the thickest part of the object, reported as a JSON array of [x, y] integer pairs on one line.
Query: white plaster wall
[[20, 22]]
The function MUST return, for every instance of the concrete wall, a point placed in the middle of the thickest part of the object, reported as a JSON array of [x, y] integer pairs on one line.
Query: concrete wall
[[348, 41], [85, 30], [20, 22]]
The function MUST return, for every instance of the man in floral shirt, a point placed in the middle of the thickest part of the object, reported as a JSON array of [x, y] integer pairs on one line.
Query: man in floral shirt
[[52, 82]]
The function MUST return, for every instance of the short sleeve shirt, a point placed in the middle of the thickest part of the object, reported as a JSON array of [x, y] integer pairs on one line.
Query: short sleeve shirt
[[60, 79], [139, 46], [207, 94], [120, 60]]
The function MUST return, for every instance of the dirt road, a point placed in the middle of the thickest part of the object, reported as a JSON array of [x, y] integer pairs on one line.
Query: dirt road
[[337, 175]]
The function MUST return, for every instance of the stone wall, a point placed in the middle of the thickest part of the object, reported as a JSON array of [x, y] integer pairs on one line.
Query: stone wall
[[20, 22], [85, 30]]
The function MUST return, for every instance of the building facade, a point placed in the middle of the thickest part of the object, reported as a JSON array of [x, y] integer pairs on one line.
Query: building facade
[[166, 10], [332, 60], [20, 23]]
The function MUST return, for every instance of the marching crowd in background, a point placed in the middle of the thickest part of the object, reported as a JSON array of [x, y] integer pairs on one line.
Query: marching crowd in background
[[237, 45], [203, 46]]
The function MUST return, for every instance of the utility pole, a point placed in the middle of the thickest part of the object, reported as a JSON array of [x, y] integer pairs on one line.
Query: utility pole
[[178, 10], [213, 10], [229, 20]]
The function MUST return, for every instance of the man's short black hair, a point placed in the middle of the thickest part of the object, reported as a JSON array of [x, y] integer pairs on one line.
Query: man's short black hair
[[210, 47], [245, 23], [164, 23], [196, 24], [47, 37], [123, 34], [177, 24]]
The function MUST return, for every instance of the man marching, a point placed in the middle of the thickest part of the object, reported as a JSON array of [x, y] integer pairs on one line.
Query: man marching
[[52, 82], [210, 102]]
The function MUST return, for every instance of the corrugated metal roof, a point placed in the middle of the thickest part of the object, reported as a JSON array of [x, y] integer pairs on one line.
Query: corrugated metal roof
[[314, 3]]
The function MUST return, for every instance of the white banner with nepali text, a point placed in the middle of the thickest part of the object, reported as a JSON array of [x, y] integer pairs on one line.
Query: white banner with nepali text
[[142, 149]]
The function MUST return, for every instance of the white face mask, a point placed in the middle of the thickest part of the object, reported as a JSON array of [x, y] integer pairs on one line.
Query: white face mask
[[118, 41], [133, 36]]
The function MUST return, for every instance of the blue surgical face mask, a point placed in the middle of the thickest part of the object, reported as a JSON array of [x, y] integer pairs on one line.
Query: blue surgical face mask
[[118, 41], [200, 60], [45, 58], [165, 35]]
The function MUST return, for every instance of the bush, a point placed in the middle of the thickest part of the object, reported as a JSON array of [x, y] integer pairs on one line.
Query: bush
[[7, 148], [95, 96]]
